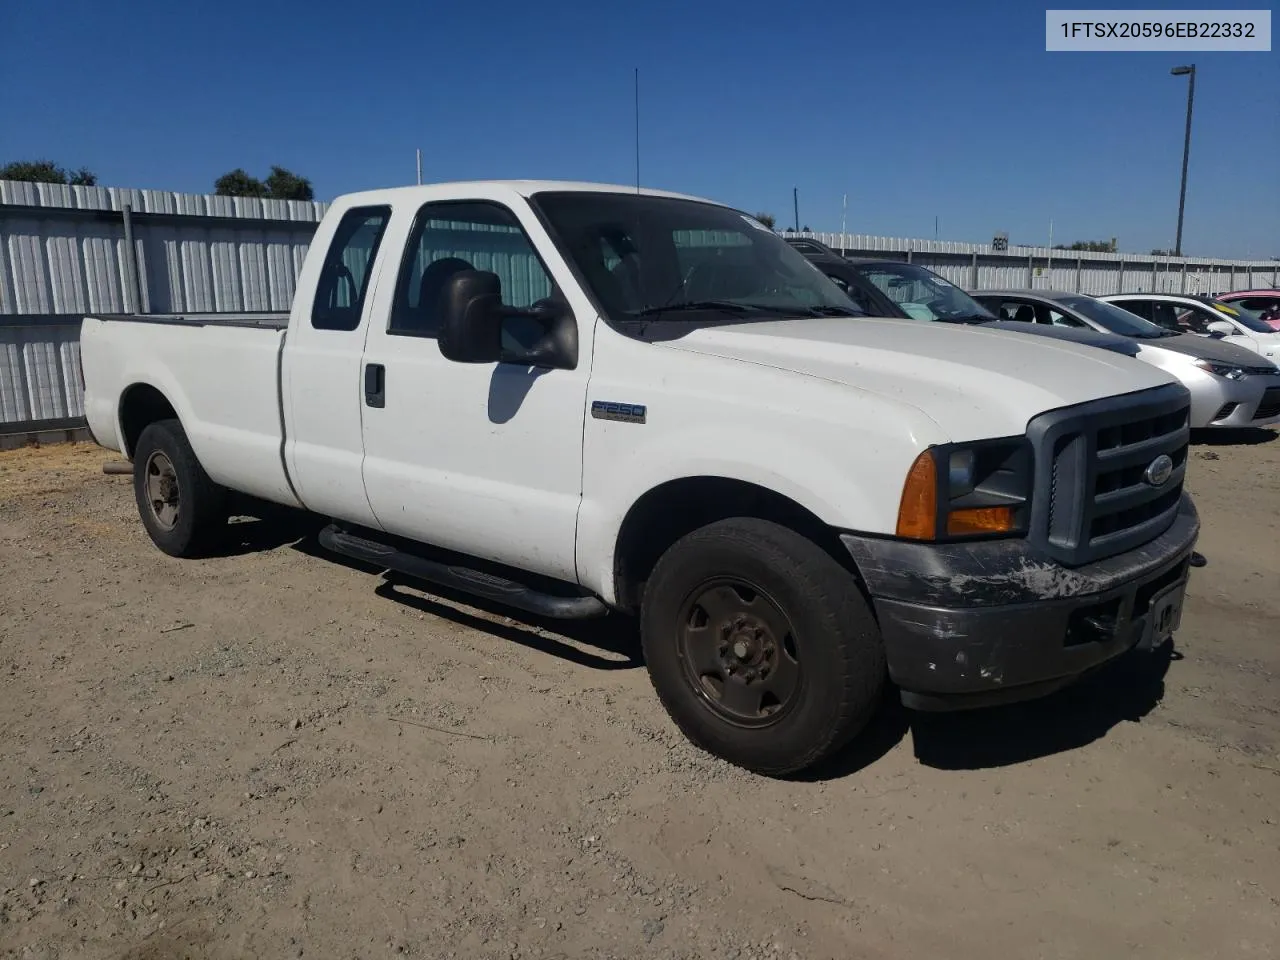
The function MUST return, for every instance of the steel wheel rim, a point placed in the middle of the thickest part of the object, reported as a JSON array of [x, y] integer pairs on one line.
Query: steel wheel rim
[[163, 496], [739, 651]]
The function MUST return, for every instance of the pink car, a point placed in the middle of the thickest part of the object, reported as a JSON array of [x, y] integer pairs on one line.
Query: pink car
[[1262, 304]]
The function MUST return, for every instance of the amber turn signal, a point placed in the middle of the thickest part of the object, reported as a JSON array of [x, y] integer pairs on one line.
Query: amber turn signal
[[918, 510], [980, 520]]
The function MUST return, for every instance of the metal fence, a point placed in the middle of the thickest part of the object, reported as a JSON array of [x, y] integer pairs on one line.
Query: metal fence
[[979, 266], [67, 251]]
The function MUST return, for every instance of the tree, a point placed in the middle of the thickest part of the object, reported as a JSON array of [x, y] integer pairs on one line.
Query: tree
[[768, 219], [282, 184], [237, 183], [46, 171], [1091, 246], [286, 185]]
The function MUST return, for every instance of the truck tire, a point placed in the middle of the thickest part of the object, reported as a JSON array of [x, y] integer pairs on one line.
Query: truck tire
[[761, 646], [183, 510]]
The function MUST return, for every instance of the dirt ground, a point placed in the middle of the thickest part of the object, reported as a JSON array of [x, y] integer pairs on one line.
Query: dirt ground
[[273, 754]]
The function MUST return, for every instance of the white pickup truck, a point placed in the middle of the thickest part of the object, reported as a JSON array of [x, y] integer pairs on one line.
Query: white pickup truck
[[574, 399]]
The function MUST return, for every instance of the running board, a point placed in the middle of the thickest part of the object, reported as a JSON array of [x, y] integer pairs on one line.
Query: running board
[[475, 582]]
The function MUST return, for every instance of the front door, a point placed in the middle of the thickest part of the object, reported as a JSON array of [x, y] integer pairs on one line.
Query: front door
[[484, 459]]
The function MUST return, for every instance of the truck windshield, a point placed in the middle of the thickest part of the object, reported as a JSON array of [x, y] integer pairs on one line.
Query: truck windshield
[[1115, 319], [665, 258], [923, 295]]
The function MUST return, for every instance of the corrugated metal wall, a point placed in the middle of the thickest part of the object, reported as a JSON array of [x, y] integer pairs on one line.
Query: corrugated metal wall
[[63, 253], [1093, 273], [40, 374]]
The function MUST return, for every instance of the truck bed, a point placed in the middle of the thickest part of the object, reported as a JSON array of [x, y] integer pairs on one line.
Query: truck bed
[[220, 373]]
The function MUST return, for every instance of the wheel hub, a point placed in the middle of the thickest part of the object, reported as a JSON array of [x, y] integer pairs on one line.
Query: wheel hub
[[162, 491], [747, 648], [739, 650]]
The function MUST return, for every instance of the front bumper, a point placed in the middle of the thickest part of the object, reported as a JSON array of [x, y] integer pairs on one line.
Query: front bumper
[[1238, 401], [971, 624]]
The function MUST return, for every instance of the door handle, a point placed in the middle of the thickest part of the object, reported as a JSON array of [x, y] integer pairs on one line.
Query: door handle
[[375, 385]]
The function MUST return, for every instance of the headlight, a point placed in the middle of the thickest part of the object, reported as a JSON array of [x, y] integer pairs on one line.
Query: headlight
[[961, 491], [1222, 369]]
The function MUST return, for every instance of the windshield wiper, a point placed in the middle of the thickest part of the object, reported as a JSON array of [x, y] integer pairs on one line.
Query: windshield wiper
[[971, 318], [724, 306], [826, 311]]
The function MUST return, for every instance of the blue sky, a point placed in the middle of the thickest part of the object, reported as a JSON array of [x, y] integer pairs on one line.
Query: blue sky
[[915, 110]]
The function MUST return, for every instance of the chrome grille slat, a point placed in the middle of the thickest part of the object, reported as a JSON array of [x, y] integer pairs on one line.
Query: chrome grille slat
[[1143, 452], [1149, 528], [1113, 500]]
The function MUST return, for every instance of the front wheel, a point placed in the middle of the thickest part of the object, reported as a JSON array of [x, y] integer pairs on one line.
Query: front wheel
[[183, 510], [761, 646]]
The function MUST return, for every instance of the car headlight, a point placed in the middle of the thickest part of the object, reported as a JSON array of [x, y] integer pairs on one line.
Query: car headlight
[[1222, 369], [962, 491]]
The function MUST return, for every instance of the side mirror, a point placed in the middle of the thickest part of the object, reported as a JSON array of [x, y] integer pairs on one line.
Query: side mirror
[[476, 327], [1221, 328], [471, 321]]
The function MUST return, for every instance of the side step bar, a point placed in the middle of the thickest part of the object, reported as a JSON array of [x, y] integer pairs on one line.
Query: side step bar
[[475, 582]]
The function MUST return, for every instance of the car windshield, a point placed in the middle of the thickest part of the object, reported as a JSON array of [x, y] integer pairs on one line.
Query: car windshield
[[1115, 320], [1237, 313], [923, 295], [664, 258]]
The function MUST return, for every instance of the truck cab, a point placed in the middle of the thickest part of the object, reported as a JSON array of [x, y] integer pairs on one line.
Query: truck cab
[[581, 399]]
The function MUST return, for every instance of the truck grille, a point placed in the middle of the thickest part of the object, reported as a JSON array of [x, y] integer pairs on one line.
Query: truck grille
[[1270, 405], [1093, 496]]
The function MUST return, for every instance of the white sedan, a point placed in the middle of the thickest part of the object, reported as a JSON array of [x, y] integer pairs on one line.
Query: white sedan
[[1203, 316]]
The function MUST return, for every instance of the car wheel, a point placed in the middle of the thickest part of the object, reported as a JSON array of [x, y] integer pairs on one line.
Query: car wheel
[[183, 510], [761, 646]]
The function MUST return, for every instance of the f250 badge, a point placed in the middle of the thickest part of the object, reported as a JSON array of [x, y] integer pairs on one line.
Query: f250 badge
[[624, 412]]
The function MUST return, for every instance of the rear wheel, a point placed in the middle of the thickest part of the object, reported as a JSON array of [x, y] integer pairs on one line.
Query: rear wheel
[[761, 646], [184, 511]]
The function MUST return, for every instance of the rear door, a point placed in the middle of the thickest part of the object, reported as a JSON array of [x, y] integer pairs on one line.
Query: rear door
[[483, 459], [321, 369]]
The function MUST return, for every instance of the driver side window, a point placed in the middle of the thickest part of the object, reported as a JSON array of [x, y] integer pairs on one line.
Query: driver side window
[[1196, 320], [1062, 320], [450, 237], [854, 293]]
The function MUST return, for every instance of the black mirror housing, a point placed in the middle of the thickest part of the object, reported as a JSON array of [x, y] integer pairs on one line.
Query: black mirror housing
[[471, 322], [472, 319]]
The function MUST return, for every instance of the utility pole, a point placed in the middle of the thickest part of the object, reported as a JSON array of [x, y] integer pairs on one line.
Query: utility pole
[[1190, 72], [419, 152], [637, 111], [844, 217], [795, 201], [1049, 269]]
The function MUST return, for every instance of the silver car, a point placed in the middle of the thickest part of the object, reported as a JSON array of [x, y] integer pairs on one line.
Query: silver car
[[1230, 386]]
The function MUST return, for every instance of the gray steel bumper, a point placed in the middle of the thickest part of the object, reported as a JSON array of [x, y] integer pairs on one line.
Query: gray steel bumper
[[970, 624]]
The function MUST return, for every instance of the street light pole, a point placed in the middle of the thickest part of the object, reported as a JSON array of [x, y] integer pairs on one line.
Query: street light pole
[[1189, 71]]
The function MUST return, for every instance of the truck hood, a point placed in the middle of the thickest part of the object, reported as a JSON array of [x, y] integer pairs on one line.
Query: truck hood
[[973, 382], [1205, 348]]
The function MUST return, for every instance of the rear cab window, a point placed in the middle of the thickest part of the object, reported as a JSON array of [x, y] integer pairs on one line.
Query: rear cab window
[[348, 267]]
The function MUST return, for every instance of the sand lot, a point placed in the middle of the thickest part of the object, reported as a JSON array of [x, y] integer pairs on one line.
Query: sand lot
[[273, 754]]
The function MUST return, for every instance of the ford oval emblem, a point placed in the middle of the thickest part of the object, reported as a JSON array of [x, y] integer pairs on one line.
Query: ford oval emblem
[[1159, 470]]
